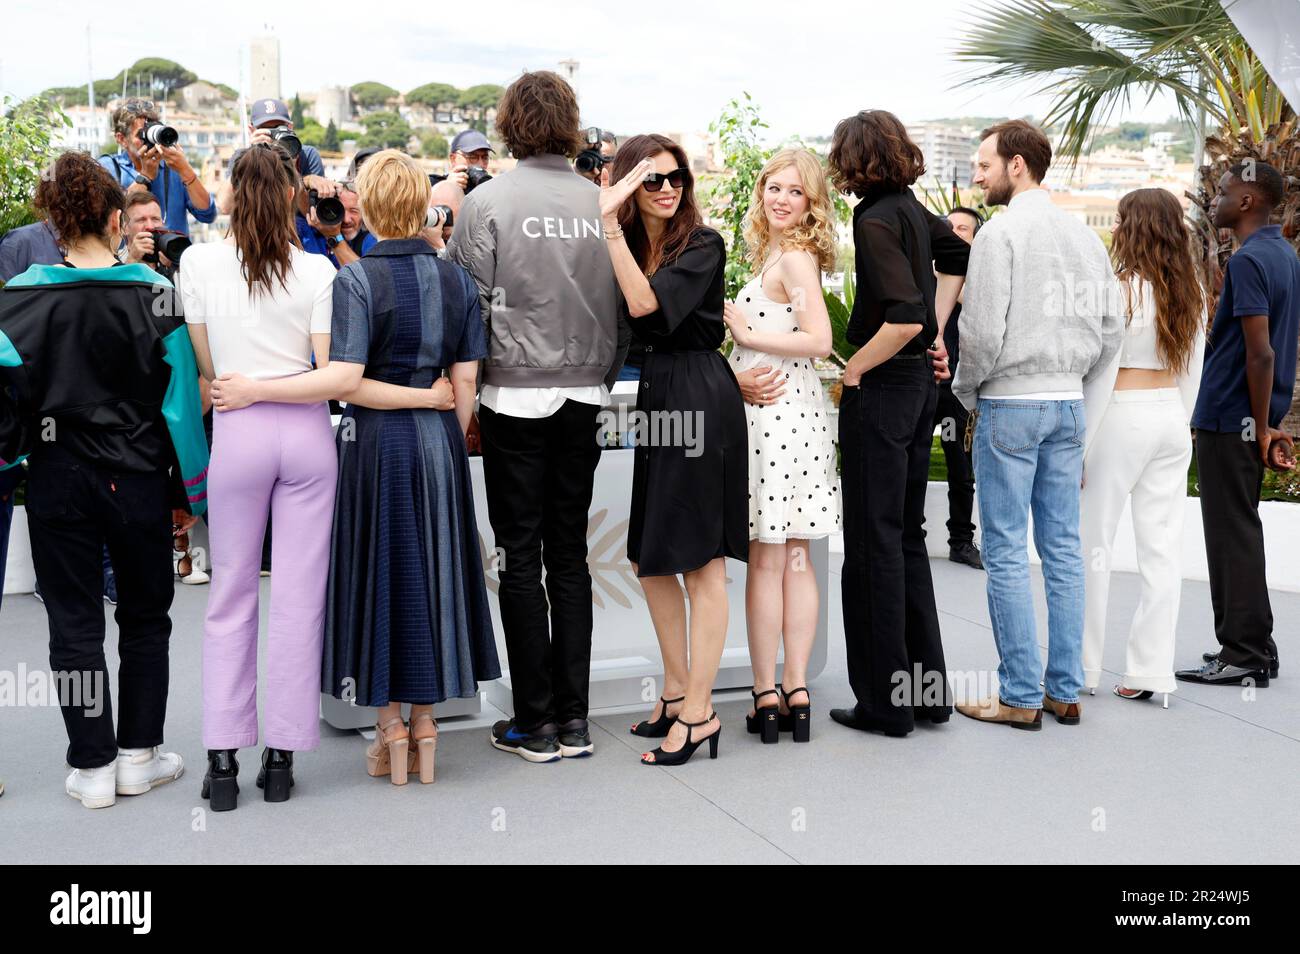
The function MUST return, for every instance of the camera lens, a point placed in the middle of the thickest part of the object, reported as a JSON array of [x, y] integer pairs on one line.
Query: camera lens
[[158, 134], [288, 142], [439, 216], [329, 210], [475, 176]]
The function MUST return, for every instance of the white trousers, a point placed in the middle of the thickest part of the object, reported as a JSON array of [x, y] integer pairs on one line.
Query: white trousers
[[1140, 453]]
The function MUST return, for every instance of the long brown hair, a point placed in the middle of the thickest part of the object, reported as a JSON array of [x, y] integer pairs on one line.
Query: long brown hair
[[261, 219], [685, 221], [1153, 243]]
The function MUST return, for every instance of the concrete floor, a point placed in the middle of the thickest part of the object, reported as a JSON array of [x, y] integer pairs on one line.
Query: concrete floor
[[1134, 783]]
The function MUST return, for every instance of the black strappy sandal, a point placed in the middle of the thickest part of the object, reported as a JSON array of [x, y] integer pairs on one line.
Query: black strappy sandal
[[799, 719], [764, 721], [660, 726], [683, 755]]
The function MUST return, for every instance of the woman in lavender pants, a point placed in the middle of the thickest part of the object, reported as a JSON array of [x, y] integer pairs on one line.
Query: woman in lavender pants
[[260, 307]]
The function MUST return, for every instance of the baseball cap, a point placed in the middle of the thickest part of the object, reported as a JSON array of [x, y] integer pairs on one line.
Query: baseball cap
[[471, 140], [268, 110]]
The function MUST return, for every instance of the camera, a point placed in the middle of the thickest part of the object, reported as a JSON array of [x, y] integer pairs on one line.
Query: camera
[[286, 140], [439, 216], [154, 133], [329, 210], [170, 243], [589, 162], [475, 176]]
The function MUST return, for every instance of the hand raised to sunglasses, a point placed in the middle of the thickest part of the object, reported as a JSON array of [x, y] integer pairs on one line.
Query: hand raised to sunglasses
[[613, 196]]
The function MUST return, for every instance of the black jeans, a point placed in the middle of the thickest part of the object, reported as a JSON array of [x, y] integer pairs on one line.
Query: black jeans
[[74, 509], [539, 474], [891, 625], [1231, 474], [950, 417]]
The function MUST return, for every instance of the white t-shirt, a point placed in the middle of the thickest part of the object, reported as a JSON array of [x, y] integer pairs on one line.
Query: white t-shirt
[[267, 335]]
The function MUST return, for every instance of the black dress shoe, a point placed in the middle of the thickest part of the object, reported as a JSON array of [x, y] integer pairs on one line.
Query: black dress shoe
[[221, 784], [1219, 673], [936, 714], [1272, 662], [968, 554], [276, 777], [851, 718]]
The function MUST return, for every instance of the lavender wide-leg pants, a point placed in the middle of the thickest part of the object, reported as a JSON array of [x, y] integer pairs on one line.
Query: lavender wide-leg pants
[[279, 457]]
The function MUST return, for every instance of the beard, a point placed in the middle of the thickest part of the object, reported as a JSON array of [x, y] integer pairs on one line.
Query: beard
[[999, 192]]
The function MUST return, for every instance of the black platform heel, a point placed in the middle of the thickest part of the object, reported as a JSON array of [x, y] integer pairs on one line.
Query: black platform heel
[[660, 726], [763, 722], [276, 777], [221, 784], [683, 755], [799, 719]]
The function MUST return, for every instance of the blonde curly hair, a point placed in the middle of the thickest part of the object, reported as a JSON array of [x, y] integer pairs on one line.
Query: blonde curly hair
[[814, 232]]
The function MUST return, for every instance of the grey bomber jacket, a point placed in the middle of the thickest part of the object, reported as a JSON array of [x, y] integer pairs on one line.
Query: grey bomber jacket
[[533, 241]]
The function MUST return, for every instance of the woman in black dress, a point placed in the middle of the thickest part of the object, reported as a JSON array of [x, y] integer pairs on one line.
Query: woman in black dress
[[690, 480]]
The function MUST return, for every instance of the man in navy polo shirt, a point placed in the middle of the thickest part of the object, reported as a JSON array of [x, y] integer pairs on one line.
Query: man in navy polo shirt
[[1246, 390], [162, 170]]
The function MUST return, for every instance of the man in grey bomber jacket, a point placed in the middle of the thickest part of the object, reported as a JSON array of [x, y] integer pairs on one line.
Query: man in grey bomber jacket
[[533, 241]]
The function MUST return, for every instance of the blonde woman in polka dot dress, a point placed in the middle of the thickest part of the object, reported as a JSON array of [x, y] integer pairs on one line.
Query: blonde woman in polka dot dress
[[780, 326]]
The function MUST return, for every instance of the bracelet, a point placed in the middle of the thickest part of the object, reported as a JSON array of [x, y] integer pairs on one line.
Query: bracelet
[[614, 235], [189, 182]]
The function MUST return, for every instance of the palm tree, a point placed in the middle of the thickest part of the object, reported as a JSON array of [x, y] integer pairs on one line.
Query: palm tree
[[1095, 56]]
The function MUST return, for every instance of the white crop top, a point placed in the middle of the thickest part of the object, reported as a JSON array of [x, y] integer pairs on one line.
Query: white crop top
[[1138, 349], [259, 336]]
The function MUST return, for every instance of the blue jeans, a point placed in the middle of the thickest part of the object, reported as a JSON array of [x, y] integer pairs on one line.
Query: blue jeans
[[1028, 457]]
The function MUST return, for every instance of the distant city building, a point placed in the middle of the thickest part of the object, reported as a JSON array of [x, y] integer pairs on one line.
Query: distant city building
[[200, 95], [1094, 211], [333, 105], [88, 133], [264, 68], [949, 152], [569, 70]]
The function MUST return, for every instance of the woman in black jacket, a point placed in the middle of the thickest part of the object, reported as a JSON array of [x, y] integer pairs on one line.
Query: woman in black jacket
[[99, 392], [891, 624]]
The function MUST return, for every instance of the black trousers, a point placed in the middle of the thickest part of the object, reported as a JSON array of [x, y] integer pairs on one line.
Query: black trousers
[[950, 417], [74, 509], [539, 474], [1231, 474], [891, 624]]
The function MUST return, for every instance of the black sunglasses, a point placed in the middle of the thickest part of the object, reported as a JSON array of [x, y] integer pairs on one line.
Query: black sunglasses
[[655, 181]]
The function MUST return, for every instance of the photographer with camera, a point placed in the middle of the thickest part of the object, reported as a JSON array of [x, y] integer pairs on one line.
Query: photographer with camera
[[595, 160], [320, 219], [269, 122], [147, 240], [468, 157], [355, 232], [149, 161]]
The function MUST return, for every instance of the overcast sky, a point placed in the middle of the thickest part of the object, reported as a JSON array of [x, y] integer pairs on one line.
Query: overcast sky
[[645, 66]]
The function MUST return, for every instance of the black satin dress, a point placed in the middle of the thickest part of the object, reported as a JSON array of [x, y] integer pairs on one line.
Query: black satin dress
[[690, 482]]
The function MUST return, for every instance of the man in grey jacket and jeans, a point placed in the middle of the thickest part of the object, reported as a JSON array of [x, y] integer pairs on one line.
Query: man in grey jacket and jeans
[[1041, 316], [532, 240]]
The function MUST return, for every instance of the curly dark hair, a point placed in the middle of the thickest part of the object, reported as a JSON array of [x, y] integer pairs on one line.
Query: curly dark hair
[[538, 115], [685, 222], [78, 196], [873, 149]]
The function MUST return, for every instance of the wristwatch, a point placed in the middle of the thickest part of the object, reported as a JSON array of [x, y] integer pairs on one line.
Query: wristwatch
[[334, 241], [141, 179]]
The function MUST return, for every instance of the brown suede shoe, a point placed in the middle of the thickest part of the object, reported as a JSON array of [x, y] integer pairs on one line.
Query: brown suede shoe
[[995, 710], [1067, 713]]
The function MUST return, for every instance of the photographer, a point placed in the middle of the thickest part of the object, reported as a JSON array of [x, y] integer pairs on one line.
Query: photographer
[[269, 122], [145, 236], [595, 161], [323, 237], [355, 232], [151, 167], [469, 149]]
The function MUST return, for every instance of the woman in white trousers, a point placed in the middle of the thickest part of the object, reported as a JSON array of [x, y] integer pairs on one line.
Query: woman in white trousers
[[1138, 444]]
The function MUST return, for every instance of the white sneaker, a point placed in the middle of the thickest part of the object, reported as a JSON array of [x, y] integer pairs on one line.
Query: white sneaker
[[196, 578], [96, 787], [139, 770]]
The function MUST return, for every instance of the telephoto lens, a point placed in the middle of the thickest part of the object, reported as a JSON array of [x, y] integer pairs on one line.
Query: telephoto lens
[[329, 210], [287, 141], [158, 134], [439, 216]]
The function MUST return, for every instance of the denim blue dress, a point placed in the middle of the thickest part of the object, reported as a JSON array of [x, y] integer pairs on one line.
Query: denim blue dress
[[407, 615]]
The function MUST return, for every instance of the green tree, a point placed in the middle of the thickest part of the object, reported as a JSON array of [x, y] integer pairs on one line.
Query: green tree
[[26, 148], [330, 143], [477, 100], [387, 130], [433, 94], [371, 94], [295, 115], [311, 132], [737, 130], [434, 146]]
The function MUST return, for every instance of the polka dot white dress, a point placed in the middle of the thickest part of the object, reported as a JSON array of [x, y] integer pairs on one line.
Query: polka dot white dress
[[794, 493]]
